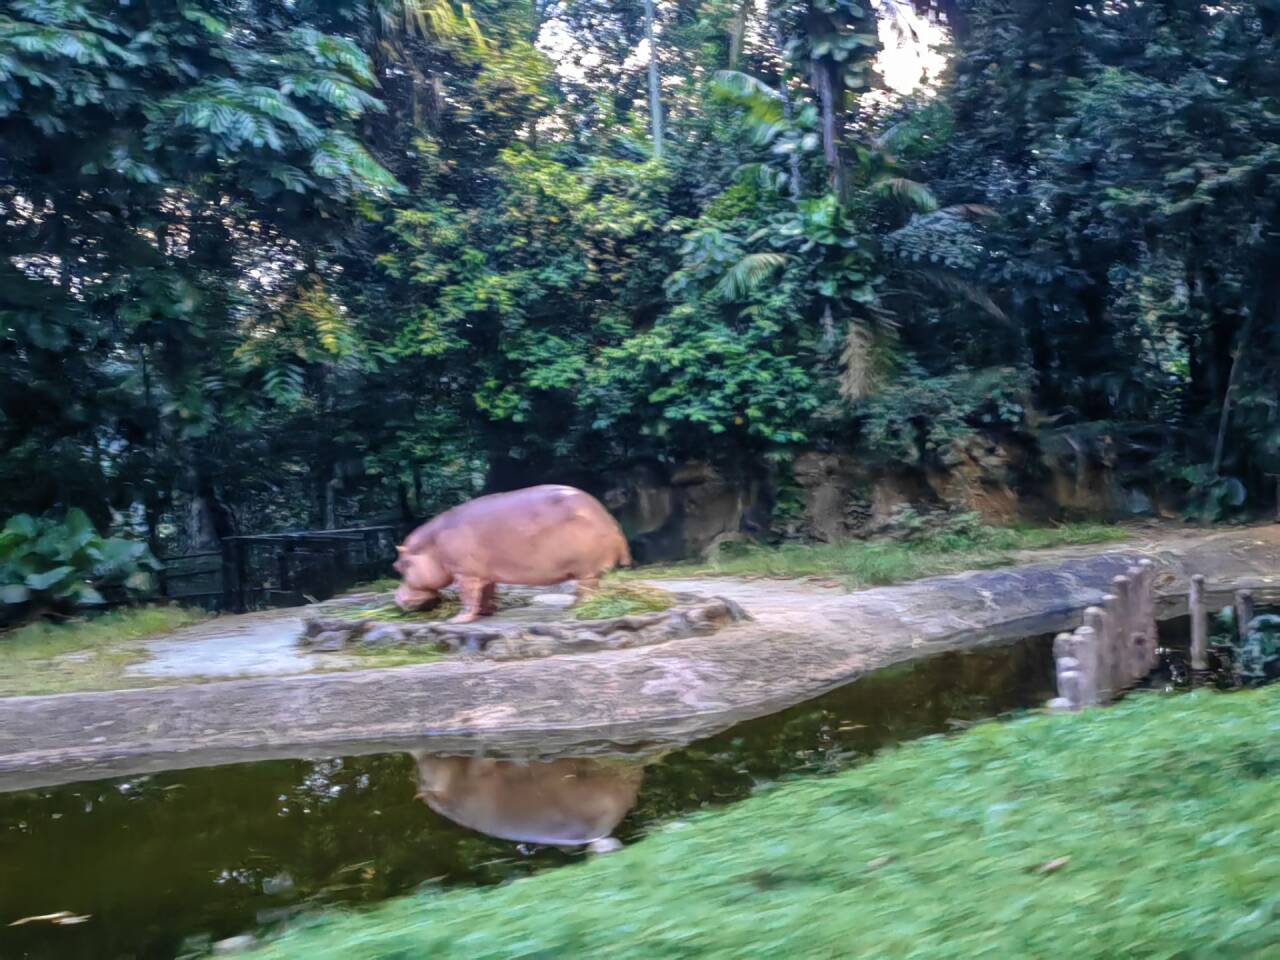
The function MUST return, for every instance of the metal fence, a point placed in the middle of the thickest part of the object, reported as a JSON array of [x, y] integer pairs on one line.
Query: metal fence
[[279, 569]]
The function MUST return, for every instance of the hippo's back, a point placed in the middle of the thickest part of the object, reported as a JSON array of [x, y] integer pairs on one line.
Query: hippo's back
[[534, 509], [538, 535]]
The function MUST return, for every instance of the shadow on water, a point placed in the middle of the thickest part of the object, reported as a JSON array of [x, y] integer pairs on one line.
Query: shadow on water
[[161, 864]]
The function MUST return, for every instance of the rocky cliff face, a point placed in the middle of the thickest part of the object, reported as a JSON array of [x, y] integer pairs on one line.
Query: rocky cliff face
[[673, 511]]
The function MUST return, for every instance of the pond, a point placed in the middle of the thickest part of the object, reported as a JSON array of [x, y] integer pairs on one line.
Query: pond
[[160, 866]]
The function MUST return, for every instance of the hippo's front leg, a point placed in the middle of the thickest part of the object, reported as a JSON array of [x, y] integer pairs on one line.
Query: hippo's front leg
[[586, 586], [474, 594]]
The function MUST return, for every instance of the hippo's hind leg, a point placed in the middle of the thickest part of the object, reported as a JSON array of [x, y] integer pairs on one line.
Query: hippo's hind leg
[[489, 600], [473, 594]]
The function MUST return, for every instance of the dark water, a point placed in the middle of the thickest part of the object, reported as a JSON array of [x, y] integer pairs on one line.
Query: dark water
[[161, 865]]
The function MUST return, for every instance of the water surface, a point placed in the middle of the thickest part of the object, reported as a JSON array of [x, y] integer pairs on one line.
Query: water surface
[[161, 865]]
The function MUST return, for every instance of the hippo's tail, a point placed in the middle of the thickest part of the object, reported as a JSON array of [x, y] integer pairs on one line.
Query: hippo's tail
[[624, 552]]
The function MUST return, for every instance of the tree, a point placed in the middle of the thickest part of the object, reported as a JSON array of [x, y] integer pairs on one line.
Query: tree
[[655, 81]]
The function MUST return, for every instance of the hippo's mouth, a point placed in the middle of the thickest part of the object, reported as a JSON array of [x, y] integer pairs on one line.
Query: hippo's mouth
[[413, 601]]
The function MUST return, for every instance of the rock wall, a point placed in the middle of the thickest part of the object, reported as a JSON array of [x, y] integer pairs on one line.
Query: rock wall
[[672, 512]]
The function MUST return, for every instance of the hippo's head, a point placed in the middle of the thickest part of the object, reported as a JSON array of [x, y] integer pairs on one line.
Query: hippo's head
[[421, 579]]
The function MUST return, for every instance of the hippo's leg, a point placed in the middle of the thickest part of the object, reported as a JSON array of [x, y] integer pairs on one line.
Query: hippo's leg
[[489, 600], [472, 593], [586, 587]]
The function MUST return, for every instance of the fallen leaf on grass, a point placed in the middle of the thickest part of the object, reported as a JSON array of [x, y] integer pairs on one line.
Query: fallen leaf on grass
[[63, 918], [1052, 865]]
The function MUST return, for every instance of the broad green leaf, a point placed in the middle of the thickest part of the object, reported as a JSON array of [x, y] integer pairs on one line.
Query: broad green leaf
[[47, 579], [14, 593]]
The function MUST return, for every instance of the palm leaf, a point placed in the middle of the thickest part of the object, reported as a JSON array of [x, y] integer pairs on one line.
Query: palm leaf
[[977, 211], [761, 101], [747, 274], [950, 283], [868, 357], [912, 193], [856, 362]]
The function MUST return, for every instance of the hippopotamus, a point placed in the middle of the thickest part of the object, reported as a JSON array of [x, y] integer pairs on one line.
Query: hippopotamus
[[563, 803], [537, 536]]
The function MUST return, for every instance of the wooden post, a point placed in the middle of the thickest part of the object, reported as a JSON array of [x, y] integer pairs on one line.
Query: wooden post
[[1142, 647], [1111, 609], [1085, 644], [1123, 588], [1067, 670], [1138, 622], [1095, 618], [228, 575], [1150, 626], [1139, 630], [1244, 612], [1199, 624], [242, 577], [282, 569]]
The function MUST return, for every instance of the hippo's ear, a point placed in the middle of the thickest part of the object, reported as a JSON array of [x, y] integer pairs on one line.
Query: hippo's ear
[[401, 549]]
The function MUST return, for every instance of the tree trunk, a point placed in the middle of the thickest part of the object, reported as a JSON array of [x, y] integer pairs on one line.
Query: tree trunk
[[208, 519], [655, 92], [788, 113], [1220, 445], [738, 32], [417, 491], [824, 83]]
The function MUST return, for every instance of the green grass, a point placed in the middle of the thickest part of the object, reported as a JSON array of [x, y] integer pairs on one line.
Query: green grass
[[1149, 829], [861, 564], [405, 656], [620, 599], [83, 654], [449, 606]]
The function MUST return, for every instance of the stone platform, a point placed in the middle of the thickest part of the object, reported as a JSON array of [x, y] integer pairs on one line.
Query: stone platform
[[528, 625]]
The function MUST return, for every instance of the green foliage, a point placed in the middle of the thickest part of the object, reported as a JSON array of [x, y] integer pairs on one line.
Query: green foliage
[[923, 417], [305, 264], [1255, 657], [1009, 839], [50, 563], [1258, 655], [1212, 498]]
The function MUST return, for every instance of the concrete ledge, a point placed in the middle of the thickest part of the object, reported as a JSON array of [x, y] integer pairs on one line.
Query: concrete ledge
[[804, 641]]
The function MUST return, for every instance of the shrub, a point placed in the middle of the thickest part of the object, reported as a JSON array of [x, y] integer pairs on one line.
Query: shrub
[[50, 563]]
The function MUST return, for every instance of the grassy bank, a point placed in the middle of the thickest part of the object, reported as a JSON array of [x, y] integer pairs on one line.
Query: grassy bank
[[85, 654], [1148, 829], [862, 564]]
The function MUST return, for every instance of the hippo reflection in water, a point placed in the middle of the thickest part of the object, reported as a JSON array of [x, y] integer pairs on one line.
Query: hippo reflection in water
[[557, 803]]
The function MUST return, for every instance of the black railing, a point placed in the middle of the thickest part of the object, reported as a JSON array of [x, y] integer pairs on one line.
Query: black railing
[[280, 569]]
